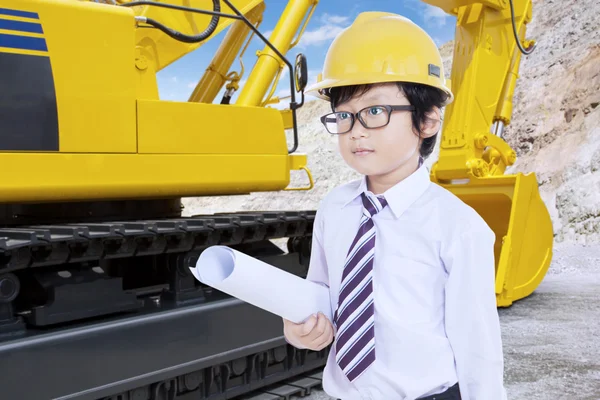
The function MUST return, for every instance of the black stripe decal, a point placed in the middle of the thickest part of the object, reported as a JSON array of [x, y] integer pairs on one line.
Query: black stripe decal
[[23, 42], [28, 116], [20, 26], [18, 13]]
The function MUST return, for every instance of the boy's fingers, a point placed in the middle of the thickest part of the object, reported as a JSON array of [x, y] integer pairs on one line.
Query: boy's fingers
[[322, 331], [322, 324], [309, 325], [325, 339], [323, 344], [315, 334]]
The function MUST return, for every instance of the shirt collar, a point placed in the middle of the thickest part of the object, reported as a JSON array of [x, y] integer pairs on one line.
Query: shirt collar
[[400, 196]]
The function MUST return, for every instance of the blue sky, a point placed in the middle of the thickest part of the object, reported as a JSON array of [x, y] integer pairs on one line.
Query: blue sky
[[177, 80]]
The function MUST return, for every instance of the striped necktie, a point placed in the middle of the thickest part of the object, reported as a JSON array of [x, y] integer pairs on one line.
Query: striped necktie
[[354, 317]]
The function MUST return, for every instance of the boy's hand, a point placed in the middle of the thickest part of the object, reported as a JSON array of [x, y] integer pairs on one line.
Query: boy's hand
[[315, 333]]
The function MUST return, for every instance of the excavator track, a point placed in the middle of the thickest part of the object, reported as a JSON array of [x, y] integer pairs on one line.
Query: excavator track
[[294, 388], [110, 310]]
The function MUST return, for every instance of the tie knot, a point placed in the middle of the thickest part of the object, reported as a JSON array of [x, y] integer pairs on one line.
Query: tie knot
[[373, 204]]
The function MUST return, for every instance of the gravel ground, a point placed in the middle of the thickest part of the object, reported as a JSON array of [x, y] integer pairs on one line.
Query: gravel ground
[[552, 338]]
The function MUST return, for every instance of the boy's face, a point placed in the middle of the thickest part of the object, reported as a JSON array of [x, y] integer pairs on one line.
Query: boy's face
[[388, 153]]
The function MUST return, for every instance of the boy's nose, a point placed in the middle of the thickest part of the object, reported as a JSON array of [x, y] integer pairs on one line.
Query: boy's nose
[[358, 131]]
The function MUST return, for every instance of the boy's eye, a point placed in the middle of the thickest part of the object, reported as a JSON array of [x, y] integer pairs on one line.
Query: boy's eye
[[375, 110], [343, 115]]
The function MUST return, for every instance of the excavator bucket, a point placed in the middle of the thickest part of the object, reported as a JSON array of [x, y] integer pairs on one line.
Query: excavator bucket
[[512, 207]]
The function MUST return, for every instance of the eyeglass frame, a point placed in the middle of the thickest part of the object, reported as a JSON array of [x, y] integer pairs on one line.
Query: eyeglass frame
[[355, 116]]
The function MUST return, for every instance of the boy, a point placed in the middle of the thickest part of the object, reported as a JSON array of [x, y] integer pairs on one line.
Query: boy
[[410, 268]]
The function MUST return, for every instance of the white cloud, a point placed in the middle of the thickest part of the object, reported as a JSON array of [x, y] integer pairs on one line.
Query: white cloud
[[313, 74], [331, 25], [320, 35], [435, 15], [414, 5], [283, 93], [284, 73], [334, 19]]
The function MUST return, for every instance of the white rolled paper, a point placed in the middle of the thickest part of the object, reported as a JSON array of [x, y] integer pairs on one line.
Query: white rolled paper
[[261, 284]]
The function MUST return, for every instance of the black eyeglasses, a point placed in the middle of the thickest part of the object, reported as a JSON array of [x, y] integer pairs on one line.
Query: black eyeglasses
[[370, 117]]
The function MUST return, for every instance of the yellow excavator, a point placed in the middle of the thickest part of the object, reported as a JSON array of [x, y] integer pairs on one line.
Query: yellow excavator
[[96, 297]]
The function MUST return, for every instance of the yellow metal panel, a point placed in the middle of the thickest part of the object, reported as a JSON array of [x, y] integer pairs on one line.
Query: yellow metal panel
[[147, 84], [20, 33], [168, 50], [298, 162], [91, 49], [199, 128], [22, 51], [288, 119], [19, 18], [451, 5], [59, 176]]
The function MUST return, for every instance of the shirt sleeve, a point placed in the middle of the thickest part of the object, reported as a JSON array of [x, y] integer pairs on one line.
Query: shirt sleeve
[[472, 322], [317, 269]]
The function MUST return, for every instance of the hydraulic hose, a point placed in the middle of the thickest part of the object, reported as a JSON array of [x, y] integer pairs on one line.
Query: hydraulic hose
[[515, 34], [173, 33]]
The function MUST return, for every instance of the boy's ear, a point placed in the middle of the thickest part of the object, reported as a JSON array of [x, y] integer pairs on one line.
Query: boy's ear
[[432, 123]]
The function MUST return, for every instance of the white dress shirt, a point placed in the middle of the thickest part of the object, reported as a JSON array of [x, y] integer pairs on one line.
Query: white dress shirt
[[436, 321]]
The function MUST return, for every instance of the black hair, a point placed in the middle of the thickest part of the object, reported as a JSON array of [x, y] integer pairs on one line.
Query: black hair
[[423, 97]]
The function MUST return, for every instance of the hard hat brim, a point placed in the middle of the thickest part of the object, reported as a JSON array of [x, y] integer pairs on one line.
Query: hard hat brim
[[316, 89]]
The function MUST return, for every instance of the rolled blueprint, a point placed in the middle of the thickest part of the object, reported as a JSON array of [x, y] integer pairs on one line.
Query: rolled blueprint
[[261, 284]]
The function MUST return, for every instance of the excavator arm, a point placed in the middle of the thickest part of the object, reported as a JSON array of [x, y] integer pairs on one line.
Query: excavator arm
[[484, 73], [488, 45]]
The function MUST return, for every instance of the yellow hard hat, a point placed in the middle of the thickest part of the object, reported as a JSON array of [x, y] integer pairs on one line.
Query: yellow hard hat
[[381, 47]]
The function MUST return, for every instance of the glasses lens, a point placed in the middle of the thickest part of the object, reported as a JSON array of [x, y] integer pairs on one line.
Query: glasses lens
[[375, 117], [339, 122]]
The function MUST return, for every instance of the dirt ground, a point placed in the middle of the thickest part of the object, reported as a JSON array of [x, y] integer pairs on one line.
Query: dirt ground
[[552, 338]]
